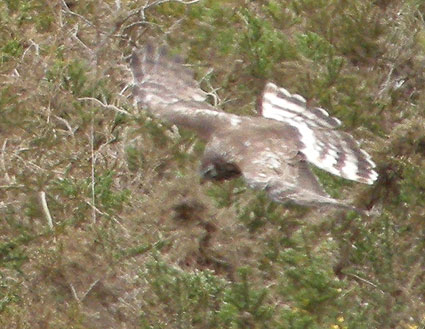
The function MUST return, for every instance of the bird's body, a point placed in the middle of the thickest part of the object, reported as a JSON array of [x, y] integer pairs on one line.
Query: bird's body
[[270, 151]]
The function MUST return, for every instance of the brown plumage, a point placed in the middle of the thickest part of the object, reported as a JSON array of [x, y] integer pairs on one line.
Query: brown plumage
[[270, 151]]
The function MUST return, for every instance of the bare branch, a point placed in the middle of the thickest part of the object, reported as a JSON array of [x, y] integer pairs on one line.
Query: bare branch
[[46, 209], [3, 162], [89, 289], [160, 2], [32, 44], [104, 214], [66, 123], [69, 11], [6, 187], [93, 160], [74, 33], [74, 293], [365, 281], [141, 12], [108, 106]]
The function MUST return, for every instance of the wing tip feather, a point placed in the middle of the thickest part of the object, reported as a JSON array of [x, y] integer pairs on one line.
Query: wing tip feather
[[285, 105], [300, 98]]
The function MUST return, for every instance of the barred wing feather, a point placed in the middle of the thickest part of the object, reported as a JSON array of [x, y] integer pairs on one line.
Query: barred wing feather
[[167, 89], [331, 150]]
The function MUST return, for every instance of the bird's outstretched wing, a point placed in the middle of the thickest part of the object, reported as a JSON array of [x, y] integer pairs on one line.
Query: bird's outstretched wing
[[167, 89], [331, 150], [285, 181]]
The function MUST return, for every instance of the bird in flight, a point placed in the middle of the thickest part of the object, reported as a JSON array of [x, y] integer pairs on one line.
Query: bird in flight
[[270, 151]]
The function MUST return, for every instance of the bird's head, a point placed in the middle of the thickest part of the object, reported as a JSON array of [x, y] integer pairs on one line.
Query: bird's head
[[218, 170]]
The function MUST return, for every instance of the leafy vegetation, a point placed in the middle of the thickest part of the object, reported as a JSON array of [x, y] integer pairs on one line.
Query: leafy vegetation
[[134, 240]]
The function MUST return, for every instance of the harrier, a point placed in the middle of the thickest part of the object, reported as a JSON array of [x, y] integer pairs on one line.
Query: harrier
[[270, 151]]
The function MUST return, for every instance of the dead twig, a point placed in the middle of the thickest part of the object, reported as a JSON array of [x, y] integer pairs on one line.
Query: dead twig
[[3, 162], [74, 293], [74, 33], [141, 12], [365, 281], [46, 209], [107, 106], [98, 211], [89, 289], [32, 44], [93, 160], [66, 123], [69, 11]]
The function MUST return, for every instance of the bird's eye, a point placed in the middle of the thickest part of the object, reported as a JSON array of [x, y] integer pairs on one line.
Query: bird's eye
[[212, 172], [209, 172]]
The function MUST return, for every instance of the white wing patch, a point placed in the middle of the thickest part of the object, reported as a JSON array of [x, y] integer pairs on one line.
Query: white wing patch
[[283, 104], [330, 150]]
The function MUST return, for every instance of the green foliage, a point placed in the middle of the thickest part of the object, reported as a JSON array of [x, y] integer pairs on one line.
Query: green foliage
[[412, 189], [75, 78], [135, 158], [188, 299], [310, 284], [12, 253], [106, 196], [263, 45], [9, 107], [201, 299], [69, 187], [30, 11], [157, 132], [56, 71], [213, 28], [259, 212], [314, 47], [244, 306], [331, 183], [276, 10], [11, 49], [9, 293], [224, 194], [363, 28], [104, 192]]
